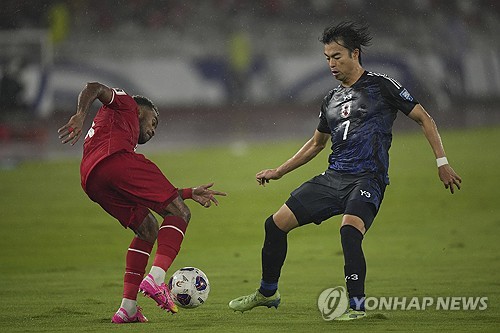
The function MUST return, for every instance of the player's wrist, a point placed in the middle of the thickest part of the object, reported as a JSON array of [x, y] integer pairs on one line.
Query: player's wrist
[[280, 172], [441, 161], [187, 193]]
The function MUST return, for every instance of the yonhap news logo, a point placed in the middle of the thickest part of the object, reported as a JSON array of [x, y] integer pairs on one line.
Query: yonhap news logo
[[448, 303], [333, 302]]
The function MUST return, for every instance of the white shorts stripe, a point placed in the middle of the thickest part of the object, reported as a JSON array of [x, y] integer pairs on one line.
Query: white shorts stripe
[[139, 251], [173, 227]]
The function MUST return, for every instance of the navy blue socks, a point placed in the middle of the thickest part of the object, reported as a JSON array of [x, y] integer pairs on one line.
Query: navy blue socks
[[355, 265], [273, 257]]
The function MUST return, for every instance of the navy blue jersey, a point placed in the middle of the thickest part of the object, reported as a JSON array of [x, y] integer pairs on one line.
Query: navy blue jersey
[[359, 119]]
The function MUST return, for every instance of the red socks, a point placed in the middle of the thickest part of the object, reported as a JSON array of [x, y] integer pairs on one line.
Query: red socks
[[136, 261], [170, 237]]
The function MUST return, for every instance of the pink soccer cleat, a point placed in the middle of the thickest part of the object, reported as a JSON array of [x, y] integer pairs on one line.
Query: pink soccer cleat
[[160, 293], [121, 317]]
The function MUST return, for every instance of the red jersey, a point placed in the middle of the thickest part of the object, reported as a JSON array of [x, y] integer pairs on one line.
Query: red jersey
[[115, 128]]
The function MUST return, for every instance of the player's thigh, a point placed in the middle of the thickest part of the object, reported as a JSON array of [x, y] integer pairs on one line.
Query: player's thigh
[[364, 200], [127, 185], [127, 212], [141, 181], [314, 202]]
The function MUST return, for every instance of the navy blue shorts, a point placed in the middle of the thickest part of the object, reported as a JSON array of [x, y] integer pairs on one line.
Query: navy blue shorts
[[332, 193]]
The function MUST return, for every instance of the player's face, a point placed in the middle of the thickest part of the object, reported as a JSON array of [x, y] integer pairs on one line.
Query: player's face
[[147, 124], [342, 63]]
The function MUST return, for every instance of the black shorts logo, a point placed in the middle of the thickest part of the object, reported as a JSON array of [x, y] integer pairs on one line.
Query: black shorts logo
[[365, 193]]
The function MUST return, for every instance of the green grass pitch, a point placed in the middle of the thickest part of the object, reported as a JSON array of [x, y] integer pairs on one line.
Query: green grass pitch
[[62, 257]]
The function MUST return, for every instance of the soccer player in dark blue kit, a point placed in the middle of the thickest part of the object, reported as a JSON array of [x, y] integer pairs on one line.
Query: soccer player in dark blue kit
[[357, 116]]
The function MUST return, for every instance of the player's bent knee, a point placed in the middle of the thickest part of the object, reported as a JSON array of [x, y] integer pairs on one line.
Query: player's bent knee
[[285, 219], [354, 221], [186, 216], [183, 212], [177, 208]]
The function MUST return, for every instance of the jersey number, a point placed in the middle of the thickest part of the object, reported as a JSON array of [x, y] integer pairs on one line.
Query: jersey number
[[346, 124]]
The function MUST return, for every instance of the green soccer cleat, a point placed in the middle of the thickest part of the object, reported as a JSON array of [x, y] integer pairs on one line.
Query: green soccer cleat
[[351, 314], [246, 303]]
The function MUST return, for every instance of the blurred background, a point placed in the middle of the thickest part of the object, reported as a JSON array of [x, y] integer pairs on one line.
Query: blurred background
[[233, 71]]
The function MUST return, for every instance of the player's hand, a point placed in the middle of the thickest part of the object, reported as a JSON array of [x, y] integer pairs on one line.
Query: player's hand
[[449, 177], [265, 176], [205, 196], [72, 131]]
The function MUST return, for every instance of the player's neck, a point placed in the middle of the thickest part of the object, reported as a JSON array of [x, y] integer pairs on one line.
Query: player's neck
[[353, 77]]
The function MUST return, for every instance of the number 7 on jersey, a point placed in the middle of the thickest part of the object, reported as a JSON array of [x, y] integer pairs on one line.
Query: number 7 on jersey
[[346, 124]]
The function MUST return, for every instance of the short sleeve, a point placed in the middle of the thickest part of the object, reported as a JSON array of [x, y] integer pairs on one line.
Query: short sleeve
[[323, 126], [121, 101], [397, 95]]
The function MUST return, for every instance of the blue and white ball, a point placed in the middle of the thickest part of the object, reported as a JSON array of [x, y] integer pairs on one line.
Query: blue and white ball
[[189, 287]]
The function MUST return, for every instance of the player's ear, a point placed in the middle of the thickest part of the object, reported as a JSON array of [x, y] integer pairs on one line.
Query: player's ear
[[355, 54], [141, 111]]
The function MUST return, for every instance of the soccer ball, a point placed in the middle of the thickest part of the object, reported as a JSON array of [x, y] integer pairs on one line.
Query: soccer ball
[[189, 287]]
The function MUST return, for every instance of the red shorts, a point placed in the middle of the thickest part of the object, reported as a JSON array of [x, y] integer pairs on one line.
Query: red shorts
[[127, 185]]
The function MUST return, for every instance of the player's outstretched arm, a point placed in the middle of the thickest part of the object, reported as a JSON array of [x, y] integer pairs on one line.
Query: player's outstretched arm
[[202, 194], [308, 151], [446, 173], [72, 131]]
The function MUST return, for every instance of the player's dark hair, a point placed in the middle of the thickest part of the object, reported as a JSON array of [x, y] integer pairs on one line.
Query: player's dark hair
[[144, 101], [350, 35]]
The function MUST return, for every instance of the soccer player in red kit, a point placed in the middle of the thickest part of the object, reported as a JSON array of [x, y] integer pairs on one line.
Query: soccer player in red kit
[[128, 186]]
